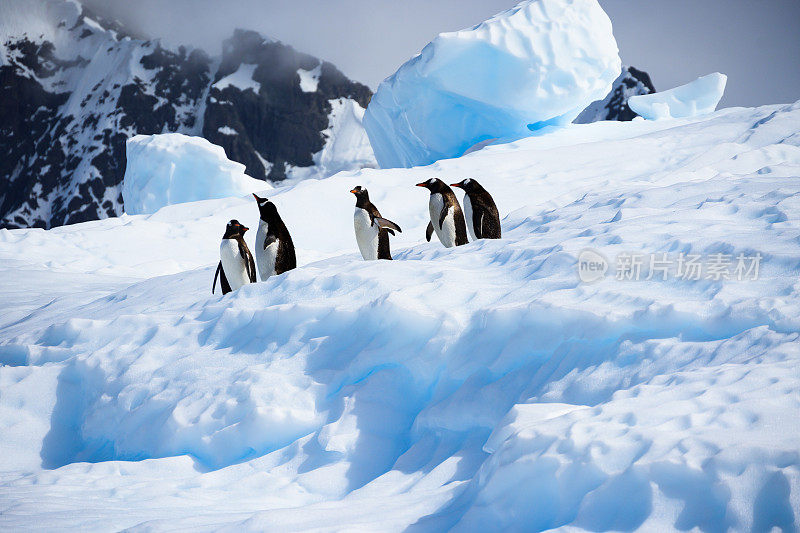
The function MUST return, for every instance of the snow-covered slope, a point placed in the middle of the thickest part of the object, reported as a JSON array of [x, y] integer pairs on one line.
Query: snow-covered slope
[[482, 387], [74, 88]]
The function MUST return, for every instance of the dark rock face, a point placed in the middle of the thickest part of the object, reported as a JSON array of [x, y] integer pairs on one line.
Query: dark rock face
[[631, 82], [66, 113], [280, 123]]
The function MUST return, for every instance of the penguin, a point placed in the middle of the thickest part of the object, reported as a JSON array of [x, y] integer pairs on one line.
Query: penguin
[[447, 220], [372, 230], [480, 211], [236, 266], [274, 246]]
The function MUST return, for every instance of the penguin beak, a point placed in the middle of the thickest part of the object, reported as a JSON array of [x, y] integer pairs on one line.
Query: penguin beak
[[354, 191], [256, 197], [455, 185], [421, 185], [244, 229]]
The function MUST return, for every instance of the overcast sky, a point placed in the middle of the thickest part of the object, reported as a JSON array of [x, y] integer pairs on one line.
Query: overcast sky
[[755, 42]]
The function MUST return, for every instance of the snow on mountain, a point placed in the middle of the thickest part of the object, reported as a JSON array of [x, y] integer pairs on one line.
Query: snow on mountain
[[698, 97], [74, 88], [172, 168], [536, 65], [481, 387], [614, 106]]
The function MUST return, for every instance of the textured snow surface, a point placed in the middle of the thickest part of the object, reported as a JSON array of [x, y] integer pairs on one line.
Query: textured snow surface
[[699, 97], [476, 388], [172, 168], [538, 64]]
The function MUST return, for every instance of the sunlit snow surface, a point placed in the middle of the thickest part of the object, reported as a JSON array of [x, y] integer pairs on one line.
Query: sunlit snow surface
[[536, 65], [476, 388]]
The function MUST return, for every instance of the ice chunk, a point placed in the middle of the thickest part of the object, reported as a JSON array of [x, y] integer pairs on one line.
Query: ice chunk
[[699, 97], [538, 64], [173, 168]]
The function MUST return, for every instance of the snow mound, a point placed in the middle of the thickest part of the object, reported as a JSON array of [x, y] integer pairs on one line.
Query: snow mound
[[699, 97], [538, 64], [173, 168]]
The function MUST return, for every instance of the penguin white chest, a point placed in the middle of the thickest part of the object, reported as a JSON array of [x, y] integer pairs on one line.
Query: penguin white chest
[[233, 263], [366, 234], [447, 231], [468, 217], [265, 257]]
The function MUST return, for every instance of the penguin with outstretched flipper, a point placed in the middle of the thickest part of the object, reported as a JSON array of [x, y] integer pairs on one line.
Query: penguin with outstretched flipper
[[372, 230]]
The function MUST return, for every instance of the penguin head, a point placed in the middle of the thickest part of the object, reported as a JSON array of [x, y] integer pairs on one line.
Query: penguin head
[[434, 185], [234, 229], [266, 209], [362, 196], [469, 185]]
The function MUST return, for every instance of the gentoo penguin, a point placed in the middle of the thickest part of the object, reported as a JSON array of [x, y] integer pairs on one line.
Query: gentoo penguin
[[236, 267], [274, 246], [372, 230], [480, 211], [447, 220]]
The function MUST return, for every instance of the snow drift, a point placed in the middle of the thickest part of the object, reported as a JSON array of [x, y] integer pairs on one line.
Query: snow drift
[[172, 168], [481, 387], [699, 97], [538, 64]]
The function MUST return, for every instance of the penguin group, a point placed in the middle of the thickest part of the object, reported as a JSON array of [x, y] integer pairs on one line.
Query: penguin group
[[274, 249]]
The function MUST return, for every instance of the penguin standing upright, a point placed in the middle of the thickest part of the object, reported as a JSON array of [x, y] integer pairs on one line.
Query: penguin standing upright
[[372, 230], [274, 246], [480, 211], [447, 220], [236, 267]]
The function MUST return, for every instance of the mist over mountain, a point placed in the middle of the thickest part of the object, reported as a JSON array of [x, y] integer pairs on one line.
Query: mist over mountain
[[75, 86]]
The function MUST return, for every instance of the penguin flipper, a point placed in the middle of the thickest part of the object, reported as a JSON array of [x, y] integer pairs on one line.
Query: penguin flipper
[[216, 275], [443, 215], [429, 231], [251, 268], [269, 240], [386, 223], [249, 264]]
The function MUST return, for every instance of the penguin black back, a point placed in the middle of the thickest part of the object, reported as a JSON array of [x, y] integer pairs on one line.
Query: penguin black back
[[449, 202], [285, 258], [480, 209]]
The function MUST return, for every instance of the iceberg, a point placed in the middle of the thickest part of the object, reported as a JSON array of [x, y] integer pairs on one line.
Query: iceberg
[[172, 168], [538, 64], [699, 97]]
